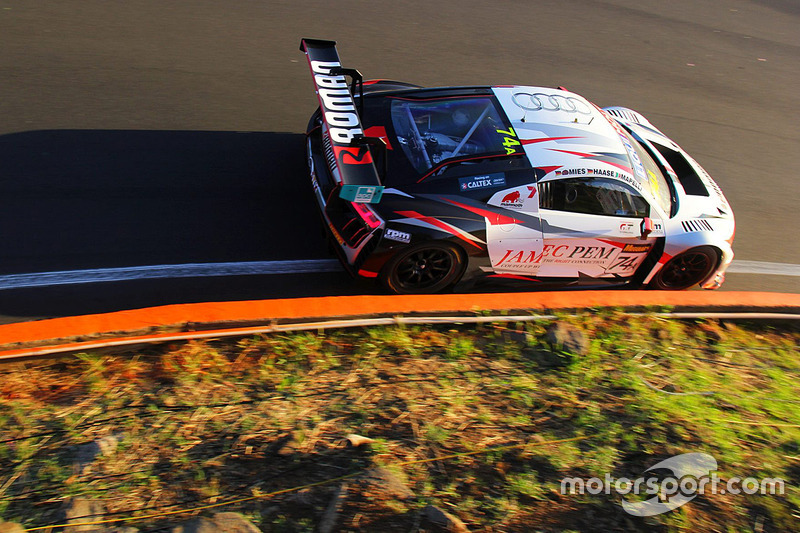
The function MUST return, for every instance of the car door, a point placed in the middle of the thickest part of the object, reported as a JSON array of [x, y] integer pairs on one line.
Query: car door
[[592, 228], [515, 242]]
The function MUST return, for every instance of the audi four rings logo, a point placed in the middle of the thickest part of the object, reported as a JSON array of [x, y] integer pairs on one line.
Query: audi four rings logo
[[551, 102]]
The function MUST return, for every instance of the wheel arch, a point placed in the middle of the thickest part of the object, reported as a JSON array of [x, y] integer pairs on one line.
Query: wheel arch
[[399, 255], [655, 280]]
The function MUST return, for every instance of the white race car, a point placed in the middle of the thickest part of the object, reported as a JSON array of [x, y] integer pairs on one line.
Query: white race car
[[427, 189]]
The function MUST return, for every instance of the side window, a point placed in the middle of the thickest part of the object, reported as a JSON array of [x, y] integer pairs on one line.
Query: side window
[[592, 196]]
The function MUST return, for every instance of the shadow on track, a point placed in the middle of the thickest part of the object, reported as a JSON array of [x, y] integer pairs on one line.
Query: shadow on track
[[86, 199], [75, 199]]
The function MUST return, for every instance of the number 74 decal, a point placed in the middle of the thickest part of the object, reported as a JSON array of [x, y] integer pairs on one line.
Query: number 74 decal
[[510, 141], [625, 262]]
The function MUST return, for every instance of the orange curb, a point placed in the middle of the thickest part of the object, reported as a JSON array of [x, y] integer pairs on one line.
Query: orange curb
[[343, 306]]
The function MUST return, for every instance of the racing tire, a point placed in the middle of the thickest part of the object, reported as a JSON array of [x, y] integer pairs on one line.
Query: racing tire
[[687, 269], [426, 268]]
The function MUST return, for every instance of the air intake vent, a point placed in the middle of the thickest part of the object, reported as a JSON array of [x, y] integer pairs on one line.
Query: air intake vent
[[690, 226], [624, 114]]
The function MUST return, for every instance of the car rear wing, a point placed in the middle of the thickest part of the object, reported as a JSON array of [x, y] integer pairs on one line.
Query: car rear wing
[[355, 166]]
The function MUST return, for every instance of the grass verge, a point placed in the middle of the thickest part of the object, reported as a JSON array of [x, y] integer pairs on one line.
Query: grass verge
[[195, 424]]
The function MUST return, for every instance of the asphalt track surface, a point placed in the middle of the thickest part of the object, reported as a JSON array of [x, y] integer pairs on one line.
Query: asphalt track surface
[[149, 133]]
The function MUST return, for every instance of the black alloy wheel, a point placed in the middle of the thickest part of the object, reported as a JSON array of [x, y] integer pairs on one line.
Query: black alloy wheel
[[428, 268], [687, 269]]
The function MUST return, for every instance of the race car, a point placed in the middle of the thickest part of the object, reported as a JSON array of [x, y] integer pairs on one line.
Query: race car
[[435, 189]]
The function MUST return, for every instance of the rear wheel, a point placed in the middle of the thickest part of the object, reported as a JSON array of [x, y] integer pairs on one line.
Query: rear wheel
[[427, 268], [687, 269]]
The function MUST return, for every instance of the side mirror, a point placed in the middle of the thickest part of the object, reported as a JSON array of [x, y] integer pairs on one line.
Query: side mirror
[[646, 227]]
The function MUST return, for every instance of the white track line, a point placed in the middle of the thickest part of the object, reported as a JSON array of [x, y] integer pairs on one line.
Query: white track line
[[260, 268], [760, 267]]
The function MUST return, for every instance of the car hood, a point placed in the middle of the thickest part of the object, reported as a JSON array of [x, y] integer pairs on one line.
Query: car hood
[[564, 134], [708, 201]]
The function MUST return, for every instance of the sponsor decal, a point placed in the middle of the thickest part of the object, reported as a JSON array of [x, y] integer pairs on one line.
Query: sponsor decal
[[638, 167], [591, 252], [399, 236], [571, 172], [626, 227], [356, 155], [550, 102], [589, 172], [636, 248], [511, 199], [337, 103], [601, 172], [529, 257], [630, 181], [365, 194], [608, 259], [562, 253], [482, 182], [361, 194], [519, 198]]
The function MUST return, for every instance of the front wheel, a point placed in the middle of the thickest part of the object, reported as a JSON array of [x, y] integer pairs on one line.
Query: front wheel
[[687, 269], [423, 269]]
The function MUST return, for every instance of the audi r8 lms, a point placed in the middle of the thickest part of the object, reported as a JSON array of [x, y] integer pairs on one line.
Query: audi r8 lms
[[433, 189]]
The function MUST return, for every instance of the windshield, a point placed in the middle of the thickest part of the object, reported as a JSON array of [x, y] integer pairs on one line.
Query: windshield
[[654, 184], [432, 131]]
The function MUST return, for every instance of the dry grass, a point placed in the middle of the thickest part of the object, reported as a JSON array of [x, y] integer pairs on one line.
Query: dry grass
[[200, 423]]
